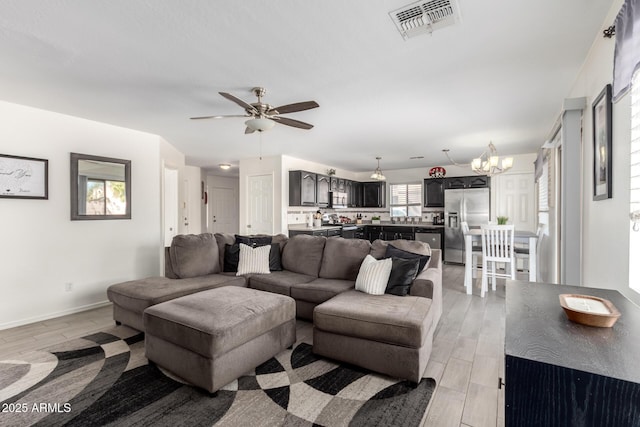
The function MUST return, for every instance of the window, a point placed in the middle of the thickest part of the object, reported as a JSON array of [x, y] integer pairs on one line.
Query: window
[[406, 200], [104, 197], [634, 196]]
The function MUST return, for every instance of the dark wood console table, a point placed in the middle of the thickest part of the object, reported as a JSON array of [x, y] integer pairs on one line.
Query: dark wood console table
[[560, 373]]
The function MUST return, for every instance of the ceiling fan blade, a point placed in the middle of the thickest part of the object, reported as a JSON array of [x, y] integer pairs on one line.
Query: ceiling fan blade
[[238, 101], [292, 108], [218, 117], [248, 130], [291, 122]]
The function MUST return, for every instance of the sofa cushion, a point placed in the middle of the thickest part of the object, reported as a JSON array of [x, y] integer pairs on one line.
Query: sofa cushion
[[278, 282], [392, 251], [374, 275], [137, 295], [403, 272], [320, 290], [253, 260], [342, 258], [253, 241], [379, 247], [404, 321], [194, 255], [232, 258], [303, 254], [223, 239]]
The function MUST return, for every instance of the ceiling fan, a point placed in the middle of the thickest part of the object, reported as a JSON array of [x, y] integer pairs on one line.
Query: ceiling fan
[[263, 117]]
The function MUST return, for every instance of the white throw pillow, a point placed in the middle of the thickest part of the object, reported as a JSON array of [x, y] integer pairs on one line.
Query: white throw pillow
[[253, 260], [373, 275]]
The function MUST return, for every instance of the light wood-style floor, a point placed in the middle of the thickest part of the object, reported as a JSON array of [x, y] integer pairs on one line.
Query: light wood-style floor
[[466, 362]]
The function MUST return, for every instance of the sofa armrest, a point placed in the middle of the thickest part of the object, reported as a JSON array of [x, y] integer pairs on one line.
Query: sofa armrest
[[428, 283]]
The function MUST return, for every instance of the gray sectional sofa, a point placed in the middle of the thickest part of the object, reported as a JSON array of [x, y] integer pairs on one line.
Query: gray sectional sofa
[[316, 272]]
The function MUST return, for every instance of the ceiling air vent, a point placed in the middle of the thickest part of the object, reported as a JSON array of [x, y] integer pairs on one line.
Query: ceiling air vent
[[423, 17]]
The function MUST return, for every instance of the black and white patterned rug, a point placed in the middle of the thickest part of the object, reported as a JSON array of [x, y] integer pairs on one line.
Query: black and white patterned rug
[[104, 379]]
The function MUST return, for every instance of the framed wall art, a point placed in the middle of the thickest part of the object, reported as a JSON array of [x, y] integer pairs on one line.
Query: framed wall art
[[602, 137], [23, 177]]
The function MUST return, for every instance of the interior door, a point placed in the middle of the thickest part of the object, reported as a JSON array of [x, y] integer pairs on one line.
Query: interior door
[[260, 216], [185, 207], [223, 210], [170, 205], [516, 200]]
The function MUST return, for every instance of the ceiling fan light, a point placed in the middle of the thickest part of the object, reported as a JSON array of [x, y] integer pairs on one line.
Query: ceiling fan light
[[260, 124], [476, 164]]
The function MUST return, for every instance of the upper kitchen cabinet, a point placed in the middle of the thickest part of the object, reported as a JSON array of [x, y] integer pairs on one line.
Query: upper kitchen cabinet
[[323, 186], [434, 193], [475, 181], [334, 183], [374, 194], [302, 188], [479, 181]]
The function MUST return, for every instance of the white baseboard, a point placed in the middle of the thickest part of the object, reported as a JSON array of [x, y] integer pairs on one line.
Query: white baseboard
[[48, 316]]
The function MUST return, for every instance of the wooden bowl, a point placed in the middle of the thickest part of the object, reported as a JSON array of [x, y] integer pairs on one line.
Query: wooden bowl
[[589, 310]]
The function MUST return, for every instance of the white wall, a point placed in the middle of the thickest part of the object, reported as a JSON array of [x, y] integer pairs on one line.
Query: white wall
[[42, 249], [605, 230]]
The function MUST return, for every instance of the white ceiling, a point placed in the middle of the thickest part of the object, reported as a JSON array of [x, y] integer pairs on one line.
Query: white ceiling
[[500, 74]]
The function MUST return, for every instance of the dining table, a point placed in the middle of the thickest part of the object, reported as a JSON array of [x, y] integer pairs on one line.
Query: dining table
[[519, 236]]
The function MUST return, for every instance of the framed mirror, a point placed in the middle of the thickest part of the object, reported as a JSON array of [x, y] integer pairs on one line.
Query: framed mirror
[[100, 187]]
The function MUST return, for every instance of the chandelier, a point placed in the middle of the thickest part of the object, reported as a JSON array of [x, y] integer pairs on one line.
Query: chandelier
[[377, 174], [488, 163]]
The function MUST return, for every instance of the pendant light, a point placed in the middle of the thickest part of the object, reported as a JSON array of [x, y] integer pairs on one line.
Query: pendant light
[[377, 174]]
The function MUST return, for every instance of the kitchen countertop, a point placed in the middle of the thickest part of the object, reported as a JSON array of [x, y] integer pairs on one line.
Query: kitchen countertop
[[304, 227]]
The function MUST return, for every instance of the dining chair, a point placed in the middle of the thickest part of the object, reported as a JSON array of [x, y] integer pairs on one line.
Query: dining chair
[[475, 250], [522, 252], [497, 247]]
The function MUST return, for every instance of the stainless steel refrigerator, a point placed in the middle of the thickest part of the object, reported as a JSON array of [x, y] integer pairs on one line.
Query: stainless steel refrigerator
[[470, 205]]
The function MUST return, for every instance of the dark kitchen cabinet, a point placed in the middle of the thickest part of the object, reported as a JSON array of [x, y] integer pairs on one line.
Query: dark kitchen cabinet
[[476, 181], [480, 181], [323, 185], [334, 183], [434, 193], [457, 182], [302, 188], [348, 188], [398, 233], [356, 195], [374, 194], [374, 233]]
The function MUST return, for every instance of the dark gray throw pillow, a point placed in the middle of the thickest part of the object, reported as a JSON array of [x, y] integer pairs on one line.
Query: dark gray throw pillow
[[403, 272], [253, 241], [232, 257], [392, 251], [275, 258]]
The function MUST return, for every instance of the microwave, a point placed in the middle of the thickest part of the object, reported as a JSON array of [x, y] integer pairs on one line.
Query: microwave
[[337, 199]]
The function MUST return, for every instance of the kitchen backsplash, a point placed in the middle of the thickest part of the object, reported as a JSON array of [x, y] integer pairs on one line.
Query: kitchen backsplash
[[299, 215]]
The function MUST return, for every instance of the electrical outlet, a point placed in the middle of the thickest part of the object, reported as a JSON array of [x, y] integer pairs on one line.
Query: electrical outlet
[[68, 287]]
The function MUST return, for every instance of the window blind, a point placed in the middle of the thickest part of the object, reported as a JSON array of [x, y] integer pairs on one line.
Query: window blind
[[406, 199], [635, 144]]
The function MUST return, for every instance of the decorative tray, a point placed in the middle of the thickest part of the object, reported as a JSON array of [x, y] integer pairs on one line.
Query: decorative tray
[[589, 310]]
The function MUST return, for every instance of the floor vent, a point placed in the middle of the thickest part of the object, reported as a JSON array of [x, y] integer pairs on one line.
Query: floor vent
[[424, 17]]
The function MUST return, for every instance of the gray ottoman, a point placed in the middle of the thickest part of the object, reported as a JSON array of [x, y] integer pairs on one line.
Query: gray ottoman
[[389, 334], [210, 338]]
